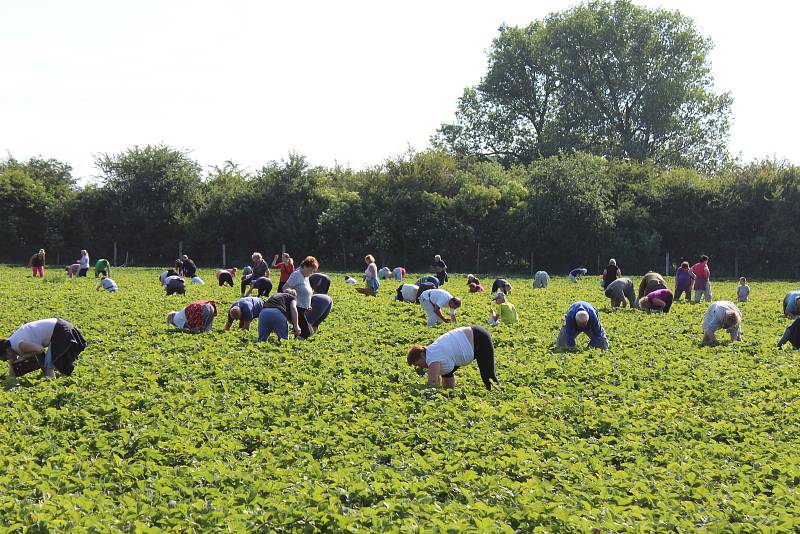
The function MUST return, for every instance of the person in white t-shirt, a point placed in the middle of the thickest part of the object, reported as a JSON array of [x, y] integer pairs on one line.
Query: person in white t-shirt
[[54, 343], [407, 293], [298, 281], [452, 350], [433, 300]]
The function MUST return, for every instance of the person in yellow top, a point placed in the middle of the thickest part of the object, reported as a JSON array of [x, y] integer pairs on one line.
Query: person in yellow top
[[507, 313]]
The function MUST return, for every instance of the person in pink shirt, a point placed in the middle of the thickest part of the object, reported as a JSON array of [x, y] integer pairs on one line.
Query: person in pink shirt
[[702, 280], [658, 300]]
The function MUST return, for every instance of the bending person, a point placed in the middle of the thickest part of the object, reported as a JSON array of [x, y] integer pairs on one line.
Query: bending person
[[791, 334], [620, 291], [658, 300], [320, 283], [225, 276], [175, 284], [434, 300], [651, 281], [582, 317], [720, 315], [103, 266], [321, 306], [453, 350], [47, 344], [540, 280], [106, 283], [196, 317], [501, 284], [428, 280], [244, 310], [36, 263], [791, 304], [507, 313], [279, 308], [577, 274], [407, 293], [262, 285]]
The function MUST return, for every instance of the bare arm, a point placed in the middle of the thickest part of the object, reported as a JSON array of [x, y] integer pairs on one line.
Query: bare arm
[[293, 315], [244, 325], [434, 374], [709, 339], [228, 324], [438, 311]]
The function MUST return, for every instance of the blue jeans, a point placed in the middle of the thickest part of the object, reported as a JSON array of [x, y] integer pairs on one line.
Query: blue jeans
[[272, 320], [48, 359]]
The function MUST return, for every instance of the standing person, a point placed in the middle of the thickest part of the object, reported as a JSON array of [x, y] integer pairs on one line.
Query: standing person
[[743, 291], [73, 270], [791, 334], [37, 263], [46, 344], [620, 291], [299, 282], [702, 280], [506, 315], [791, 304], [540, 280], [501, 284], [279, 308], [225, 276], [407, 293], [651, 282], [453, 350], [260, 270], [321, 306], [658, 300], [434, 300], [174, 284], [399, 273], [84, 262], [320, 283], [286, 265], [684, 280], [244, 310], [103, 266], [196, 317], [611, 272], [577, 273], [439, 269], [722, 314], [106, 283], [582, 317], [370, 278]]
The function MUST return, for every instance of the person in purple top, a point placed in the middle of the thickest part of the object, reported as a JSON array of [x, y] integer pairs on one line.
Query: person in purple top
[[658, 300], [244, 310], [582, 317], [684, 280]]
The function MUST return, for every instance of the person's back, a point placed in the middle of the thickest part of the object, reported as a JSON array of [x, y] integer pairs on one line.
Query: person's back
[[508, 313], [109, 285]]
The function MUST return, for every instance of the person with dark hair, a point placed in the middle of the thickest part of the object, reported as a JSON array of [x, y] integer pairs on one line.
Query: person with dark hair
[[582, 317], [501, 284], [321, 306], [475, 288], [453, 350], [37, 263], [106, 283], [577, 273], [702, 281], [651, 282], [791, 304], [428, 280], [720, 315], [422, 288], [620, 291], [244, 310], [166, 274], [611, 272], [407, 293], [196, 317], [279, 308], [658, 300], [439, 269], [102, 266], [743, 291], [540, 280], [370, 278], [286, 266], [298, 281], [225, 276], [189, 267], [434, 300], [320, 283], [791, 334], [260, 270], [46, 344], [175, 284], [684, 280], [262, 285]]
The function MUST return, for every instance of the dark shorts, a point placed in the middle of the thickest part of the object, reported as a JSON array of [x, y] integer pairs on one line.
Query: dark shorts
[[82, 272], [225, 278]]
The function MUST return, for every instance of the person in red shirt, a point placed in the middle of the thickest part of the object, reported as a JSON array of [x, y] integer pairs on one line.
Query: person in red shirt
[[702, 281], [286, 266]]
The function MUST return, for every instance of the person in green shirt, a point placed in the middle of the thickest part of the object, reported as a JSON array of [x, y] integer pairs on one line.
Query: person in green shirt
[[507, 313], [102, 266]]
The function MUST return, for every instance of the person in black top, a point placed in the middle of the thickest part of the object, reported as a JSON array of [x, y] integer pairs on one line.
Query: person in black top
[[260, 270], [320, 283], [611, 273], [501, 284], [439, 268], [189, 267], [791, 334], [279, 308]]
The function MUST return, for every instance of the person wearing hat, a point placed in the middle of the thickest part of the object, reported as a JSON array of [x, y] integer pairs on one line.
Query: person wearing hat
[[721, 314], [244, 310], [540, 280], [658, 300], [651, 281], [452, 350], [433, 300], [582, 317], [791, 304], [507, 313], [620, 291]]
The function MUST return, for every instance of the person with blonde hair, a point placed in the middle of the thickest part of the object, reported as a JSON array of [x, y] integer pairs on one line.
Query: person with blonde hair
[[370, 278]]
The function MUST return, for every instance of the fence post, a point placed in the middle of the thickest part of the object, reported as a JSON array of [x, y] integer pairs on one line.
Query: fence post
[[666, 264], [115, 253], [736, 265], [478, 260], [224, 264], [180, 249], [531, 264]]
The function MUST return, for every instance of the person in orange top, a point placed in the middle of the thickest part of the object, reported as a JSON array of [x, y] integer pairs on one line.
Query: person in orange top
[[286, 266]]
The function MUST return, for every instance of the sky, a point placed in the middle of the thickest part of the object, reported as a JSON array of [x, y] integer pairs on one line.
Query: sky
[[351, 82]]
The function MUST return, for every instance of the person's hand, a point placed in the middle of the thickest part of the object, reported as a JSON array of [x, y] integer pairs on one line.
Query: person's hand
[[297, 332], [309, 309]]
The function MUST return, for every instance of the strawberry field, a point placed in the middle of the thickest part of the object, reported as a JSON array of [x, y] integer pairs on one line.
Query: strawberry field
[[160, 430]]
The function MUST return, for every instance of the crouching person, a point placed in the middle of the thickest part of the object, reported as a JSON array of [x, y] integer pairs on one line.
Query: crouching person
[[582, 317], [452, 350], [47, 344], [722, 314], [196, 317]]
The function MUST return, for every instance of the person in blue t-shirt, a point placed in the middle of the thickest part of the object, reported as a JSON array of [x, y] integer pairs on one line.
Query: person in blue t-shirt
[[582, 317], [791, 304], [244, 310]]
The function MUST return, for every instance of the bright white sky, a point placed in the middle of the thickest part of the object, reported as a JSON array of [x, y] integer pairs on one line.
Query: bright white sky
[[353, 82]]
